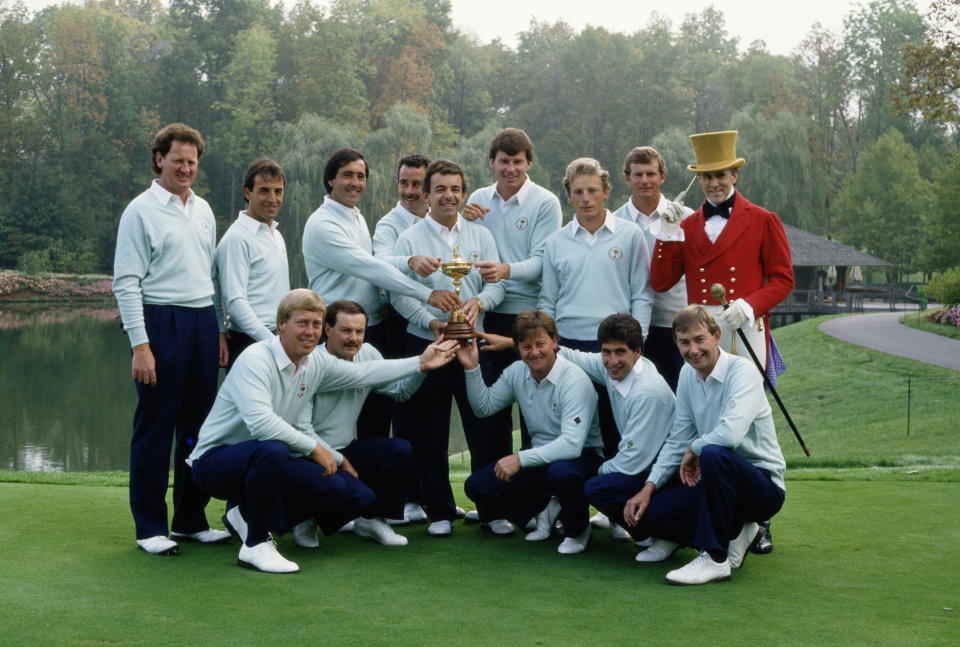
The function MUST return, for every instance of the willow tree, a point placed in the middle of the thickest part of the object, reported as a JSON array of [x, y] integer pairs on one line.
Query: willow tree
[[303, 149]]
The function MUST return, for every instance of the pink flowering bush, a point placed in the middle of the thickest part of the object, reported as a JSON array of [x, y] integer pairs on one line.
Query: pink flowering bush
[[947, 316], [53, 286]]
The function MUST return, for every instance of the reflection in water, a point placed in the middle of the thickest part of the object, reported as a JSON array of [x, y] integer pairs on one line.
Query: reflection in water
[[66, 397]]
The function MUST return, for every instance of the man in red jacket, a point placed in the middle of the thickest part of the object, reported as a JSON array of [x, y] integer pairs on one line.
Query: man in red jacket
[[730, 241]]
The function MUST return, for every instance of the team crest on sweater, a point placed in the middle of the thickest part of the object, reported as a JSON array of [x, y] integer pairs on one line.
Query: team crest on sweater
[[521, 223], [555, 406], [302, 390], [615, 253], [474, 256]]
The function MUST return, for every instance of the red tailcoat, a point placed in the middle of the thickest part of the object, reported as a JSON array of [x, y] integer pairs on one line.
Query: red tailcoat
[[751, 258]]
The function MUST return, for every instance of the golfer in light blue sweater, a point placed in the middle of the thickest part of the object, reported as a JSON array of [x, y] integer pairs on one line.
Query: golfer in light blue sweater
[[559, 404]]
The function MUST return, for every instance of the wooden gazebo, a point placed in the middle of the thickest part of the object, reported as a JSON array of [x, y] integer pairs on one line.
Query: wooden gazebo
[[813, 255]]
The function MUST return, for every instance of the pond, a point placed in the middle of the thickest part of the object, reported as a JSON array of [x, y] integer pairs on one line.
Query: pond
[[66, 397]]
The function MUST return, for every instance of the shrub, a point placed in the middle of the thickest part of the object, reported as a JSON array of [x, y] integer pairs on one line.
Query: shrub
[[948, 316], [946, 287], [34, 262]]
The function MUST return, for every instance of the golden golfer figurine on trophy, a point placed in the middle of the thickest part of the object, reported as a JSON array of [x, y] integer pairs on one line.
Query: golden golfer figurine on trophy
[[457, 325]]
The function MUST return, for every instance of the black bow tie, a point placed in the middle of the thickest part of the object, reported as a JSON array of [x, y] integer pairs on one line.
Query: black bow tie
[[722, 210]]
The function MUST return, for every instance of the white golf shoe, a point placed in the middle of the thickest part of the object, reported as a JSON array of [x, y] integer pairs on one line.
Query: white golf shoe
[[545, 519], [379, 531], [159, 545], [740, 545], [305, 534], [575, 545], [661, 550], [702, 570], [266, 558]]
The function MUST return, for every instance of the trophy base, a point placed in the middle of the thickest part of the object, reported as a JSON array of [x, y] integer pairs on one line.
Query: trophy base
[[458, 330]]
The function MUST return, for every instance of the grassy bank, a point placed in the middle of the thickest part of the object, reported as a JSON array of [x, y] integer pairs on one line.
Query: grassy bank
[[919, 321], [860, 408]]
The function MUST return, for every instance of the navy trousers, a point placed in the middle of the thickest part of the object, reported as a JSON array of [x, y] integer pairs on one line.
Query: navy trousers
[[377, 412], [427, 421], [185, 345], [384, 465], [731, 492], [660, 349], [277, 491], [529, 490], [237, 342], [609, 493], [608, 426]]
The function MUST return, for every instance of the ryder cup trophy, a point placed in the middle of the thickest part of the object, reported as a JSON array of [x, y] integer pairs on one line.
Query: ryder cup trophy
[[457, 268]]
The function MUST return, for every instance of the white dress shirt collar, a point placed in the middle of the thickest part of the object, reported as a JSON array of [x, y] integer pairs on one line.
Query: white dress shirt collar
[[165, 196], [283, 360], [553, 377], [609, 223], [451, 235], [623, 386], [643, 219], [519, 196], [411, 217], [350, 212], [719, 372], [251, 224]]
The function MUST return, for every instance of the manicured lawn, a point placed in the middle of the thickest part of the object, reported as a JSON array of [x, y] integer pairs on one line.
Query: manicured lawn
[[851, 404], [857, 563], [918, 320]]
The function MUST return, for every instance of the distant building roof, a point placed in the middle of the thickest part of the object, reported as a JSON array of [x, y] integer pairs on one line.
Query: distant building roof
[[810, 250]]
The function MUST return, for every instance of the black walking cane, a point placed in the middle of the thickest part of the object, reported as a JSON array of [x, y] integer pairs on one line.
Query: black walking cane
[[718, 292]]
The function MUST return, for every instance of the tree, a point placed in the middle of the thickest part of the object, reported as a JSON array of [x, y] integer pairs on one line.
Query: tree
[[779, 174], [706, 52], [309, 81], [825, 83], [247, 107], [942, 224], [931, 81], [406, 130], [303, 149], [881, 207], [874, 38]]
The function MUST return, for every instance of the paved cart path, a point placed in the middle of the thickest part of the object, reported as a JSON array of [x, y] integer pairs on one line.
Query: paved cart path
[[884, 332]]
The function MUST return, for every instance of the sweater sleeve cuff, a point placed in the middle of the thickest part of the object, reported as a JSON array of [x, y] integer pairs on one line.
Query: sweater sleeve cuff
[[697, 446], [137, 335]]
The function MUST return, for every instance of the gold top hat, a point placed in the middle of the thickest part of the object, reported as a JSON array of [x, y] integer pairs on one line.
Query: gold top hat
[[715, 151]]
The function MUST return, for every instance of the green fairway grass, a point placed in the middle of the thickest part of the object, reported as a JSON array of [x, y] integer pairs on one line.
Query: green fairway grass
[[850, 404], [855, 563], [919, 320]]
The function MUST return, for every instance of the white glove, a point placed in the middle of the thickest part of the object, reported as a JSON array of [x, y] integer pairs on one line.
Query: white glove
[[670, 217], [672, 213], [736, 315]]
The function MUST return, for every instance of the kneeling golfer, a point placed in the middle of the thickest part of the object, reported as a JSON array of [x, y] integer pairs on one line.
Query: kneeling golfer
[[730, 465], [257, 447], [560, 406]]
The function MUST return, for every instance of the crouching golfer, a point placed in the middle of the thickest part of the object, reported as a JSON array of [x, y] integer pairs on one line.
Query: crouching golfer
[[730, 464], [258, 448], [560, 406]]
